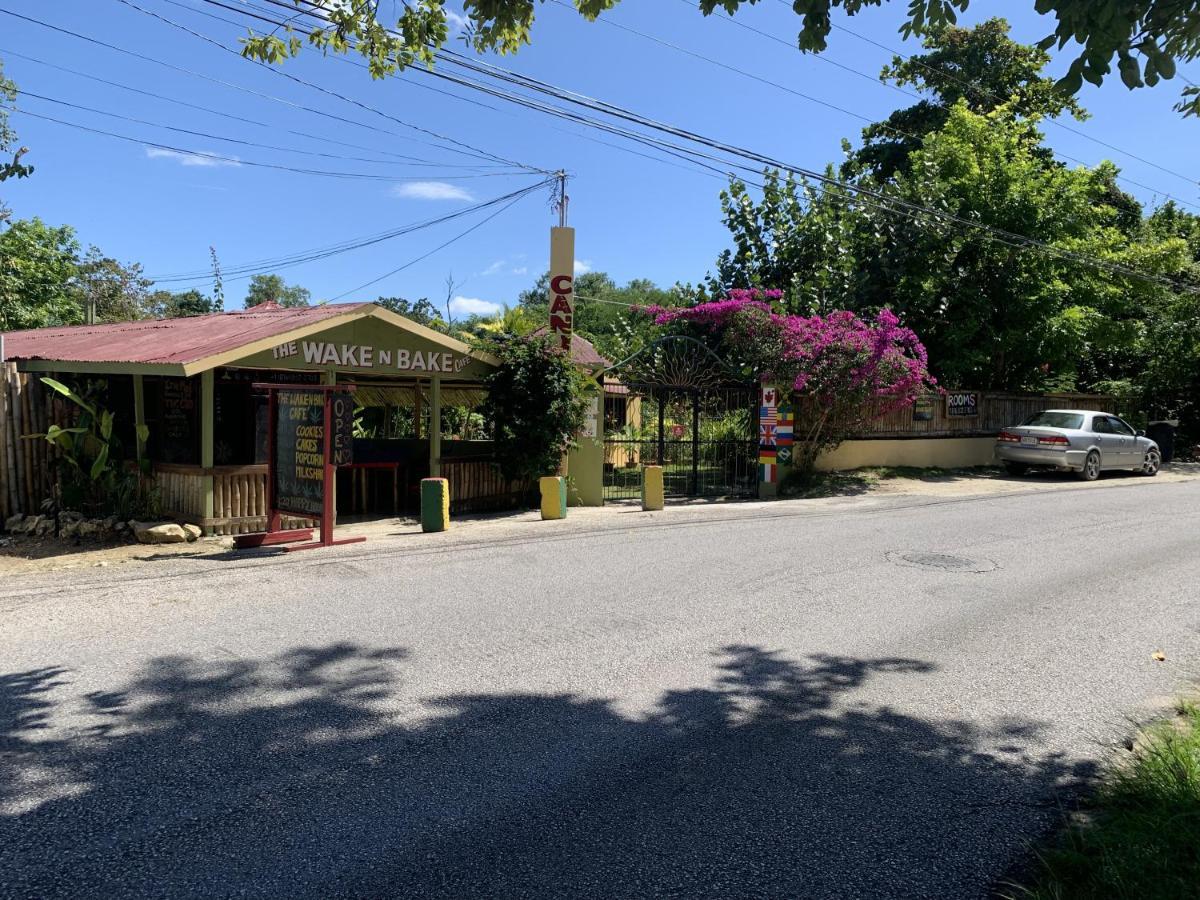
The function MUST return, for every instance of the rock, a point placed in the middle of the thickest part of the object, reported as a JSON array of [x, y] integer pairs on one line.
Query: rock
[[46, 526], [90, 528], [158, 532], [193, 532], [68, 529], [13, 522], [69, 515], [30, 525], [108, 526]]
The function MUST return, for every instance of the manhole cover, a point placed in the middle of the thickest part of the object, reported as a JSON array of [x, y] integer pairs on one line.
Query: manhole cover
[[947, 562]]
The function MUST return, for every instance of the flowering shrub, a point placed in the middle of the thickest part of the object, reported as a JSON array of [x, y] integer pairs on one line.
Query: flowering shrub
[[844, 371]]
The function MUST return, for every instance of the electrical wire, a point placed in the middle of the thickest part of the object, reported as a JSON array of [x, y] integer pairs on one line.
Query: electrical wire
[[246, 269], [457, 146], [228, 115], [245, 143], [424, 256], [228, 84], [1010, 238]]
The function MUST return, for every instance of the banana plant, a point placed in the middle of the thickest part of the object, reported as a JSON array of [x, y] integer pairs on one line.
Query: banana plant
[[88, 446]]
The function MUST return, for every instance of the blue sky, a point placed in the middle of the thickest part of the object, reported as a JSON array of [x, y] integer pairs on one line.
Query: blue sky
[[635, 218]]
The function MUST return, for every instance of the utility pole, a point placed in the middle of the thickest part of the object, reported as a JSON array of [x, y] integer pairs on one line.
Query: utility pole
[[562, 272]]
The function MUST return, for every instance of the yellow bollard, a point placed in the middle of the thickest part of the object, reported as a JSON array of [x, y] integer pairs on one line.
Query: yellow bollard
[[554, 497], [653, 495]]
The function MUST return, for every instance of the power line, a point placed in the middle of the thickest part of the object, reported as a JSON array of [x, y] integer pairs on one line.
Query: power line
[[892, 203], [417, 161], [218, 158], [245, 143], [228, 84], [457, 237], [457, 145], [247, 269], [980, 89]]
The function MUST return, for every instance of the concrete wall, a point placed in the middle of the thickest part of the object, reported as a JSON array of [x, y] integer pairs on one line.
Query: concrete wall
[[585, 473], [946, 453]]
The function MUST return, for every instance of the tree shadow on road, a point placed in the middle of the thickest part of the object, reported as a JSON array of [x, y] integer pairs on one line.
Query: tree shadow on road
[[317, 774]]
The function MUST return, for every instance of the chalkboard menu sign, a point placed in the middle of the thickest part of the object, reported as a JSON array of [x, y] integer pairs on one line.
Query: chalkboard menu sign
[[178, 432], [300, 452], [299, 447]]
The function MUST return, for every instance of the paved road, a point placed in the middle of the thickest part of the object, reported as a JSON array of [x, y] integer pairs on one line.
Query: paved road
[[885, 702]]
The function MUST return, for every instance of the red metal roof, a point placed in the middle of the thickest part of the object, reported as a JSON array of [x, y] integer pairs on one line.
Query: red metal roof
[[166, 341], [583, 352]]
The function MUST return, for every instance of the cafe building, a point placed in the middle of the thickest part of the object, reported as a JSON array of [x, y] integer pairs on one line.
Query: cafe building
[[192, 383]]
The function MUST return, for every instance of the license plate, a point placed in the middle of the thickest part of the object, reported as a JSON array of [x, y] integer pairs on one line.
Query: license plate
[[1029, 439]]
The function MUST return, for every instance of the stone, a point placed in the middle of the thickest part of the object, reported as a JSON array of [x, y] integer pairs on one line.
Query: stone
[[193, 532], [45, 526], [69, 515], [90, 528], [13, 522], [29, 525], [68, 529], [158, 532]]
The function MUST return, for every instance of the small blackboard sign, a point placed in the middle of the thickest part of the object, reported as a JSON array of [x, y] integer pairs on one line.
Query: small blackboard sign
[[922, 410], [962, 404], [299, 449], [179, 440]]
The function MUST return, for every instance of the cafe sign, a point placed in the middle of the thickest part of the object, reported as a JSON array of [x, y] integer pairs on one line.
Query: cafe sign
[[366, 356]]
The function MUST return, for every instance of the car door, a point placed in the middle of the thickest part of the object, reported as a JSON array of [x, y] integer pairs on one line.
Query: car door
[[1110, 448], [1130, 452]]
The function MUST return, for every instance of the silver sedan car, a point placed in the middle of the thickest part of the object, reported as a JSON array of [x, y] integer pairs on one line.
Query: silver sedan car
[[1084, 441]]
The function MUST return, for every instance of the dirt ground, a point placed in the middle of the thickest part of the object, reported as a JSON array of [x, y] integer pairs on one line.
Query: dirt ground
[[21, 555]]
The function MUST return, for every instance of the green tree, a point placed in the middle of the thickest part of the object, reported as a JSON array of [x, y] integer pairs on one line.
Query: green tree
[[9, 167], [38, 267], [981, 67], [534, 403], [422, 311], [1145, 37], [273, 289], [116, 292], [172, 305]]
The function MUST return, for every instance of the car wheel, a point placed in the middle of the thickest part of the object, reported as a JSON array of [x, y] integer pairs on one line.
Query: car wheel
[[1013, 468], [1091, 467], [1152, 463]]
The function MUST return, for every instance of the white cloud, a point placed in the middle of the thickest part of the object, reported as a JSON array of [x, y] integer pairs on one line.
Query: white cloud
[[189, 159], [473, 306], [520, 270], [494, 267], [430, 190], [583, 266], [456, 22]]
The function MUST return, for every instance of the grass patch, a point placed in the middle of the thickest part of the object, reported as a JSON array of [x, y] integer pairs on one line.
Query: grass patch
[[1141, 835]]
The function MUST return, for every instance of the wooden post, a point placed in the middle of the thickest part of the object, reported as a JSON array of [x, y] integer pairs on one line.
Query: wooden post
[[9, 437], [435, 427], [4, 510], [207, 426], [139, 411]]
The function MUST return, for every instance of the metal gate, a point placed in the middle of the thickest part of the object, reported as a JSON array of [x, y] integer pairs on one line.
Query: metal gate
[[678, 405]]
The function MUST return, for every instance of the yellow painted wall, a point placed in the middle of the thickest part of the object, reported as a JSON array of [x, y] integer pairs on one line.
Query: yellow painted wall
[[585, 473], [946, 453]]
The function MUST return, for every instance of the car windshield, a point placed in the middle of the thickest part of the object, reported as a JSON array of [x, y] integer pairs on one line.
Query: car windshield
[[1055, 420]]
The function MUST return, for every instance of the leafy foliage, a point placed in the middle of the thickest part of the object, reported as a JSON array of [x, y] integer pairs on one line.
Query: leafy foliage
[[535, 403], [273, 289], [171, 305], [38, 268], [981, 67], [842, 370], [422, 311], [9, 168], [116, 292], [92, 476], [1146, 37]]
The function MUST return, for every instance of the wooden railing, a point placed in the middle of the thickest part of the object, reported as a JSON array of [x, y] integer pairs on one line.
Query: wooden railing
[[239, 497], [476, 485]]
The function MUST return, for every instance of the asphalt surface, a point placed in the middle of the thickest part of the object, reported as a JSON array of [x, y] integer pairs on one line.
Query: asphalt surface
[[882, 701]]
